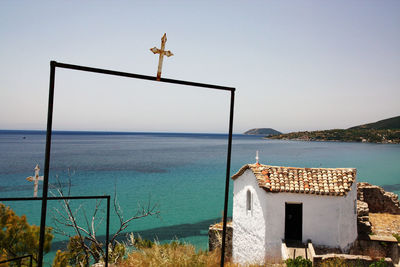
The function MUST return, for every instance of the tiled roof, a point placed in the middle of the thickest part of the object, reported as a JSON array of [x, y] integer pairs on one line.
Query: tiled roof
[[317, 181]]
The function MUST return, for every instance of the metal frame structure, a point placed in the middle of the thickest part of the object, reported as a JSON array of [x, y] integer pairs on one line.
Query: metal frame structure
[[53, 66], [41, 241], [20, 258]]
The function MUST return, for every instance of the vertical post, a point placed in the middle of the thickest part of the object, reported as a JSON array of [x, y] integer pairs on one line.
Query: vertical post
[[228, 170], [107, 229], [46, 163]]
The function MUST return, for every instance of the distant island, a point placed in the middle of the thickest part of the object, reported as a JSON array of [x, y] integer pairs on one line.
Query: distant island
[[262, 131], [383, 131]]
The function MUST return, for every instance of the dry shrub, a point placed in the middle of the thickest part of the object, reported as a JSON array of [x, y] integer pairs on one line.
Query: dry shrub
[[335, 262], [172, 254], [341, 262], [374, 253], [175, 254]]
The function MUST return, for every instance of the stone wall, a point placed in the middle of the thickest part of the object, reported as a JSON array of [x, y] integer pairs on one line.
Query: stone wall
[[377, 199], [379, 251], [215, 238], [363, 223], [372, 198], [377, 247], [347, 260]]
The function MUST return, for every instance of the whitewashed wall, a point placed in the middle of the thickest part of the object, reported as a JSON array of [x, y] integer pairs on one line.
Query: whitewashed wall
[[327, 220], [248, 241], [348, 224]]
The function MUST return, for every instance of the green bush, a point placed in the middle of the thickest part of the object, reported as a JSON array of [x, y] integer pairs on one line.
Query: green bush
[[379, 263], [397, 236], [298, 262], [140, 243], [18, 237]]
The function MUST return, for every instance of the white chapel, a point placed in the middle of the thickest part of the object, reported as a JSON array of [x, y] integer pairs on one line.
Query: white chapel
[[274, 204]]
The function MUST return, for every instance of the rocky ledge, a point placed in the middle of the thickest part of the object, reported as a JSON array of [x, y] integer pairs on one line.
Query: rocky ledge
[[374, 199], [215, 237], [378, 200]]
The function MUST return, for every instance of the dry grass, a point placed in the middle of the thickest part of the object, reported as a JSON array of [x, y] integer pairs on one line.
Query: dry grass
[[335, 262], [385, 224], [176, 255], [173, 254], [340, 262], [374, 253]]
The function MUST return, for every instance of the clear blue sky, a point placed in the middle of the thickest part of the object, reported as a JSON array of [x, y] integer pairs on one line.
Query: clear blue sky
[[297, 65]]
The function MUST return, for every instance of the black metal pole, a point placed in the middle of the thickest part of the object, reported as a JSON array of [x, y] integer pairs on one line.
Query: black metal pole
[[51, 198], [228, 168], [140, 76], [19, 259], [46, 163], [53, 65], [108, 228]]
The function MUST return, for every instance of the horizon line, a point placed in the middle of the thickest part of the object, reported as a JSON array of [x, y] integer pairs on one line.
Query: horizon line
[[106, 132]]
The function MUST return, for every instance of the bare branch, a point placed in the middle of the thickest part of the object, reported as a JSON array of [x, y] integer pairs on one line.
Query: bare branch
[[66, 217], [98, 225], [72, 221], [140, 213], [117, 207], [98, 203], [86, 219]]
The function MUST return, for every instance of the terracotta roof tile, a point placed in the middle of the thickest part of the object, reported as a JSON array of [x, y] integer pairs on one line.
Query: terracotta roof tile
[[319, 181]]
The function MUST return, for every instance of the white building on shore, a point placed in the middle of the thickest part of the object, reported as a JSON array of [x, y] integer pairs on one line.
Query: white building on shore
[[273, 204]]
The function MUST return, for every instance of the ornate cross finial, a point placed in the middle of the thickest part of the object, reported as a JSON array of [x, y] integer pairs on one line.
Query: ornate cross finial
[[162, 53], [35, 179]]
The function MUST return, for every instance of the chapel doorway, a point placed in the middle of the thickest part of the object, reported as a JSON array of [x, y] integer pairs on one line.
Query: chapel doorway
[[293, 222]]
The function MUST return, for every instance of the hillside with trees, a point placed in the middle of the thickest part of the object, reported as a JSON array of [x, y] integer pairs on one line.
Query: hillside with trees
[[391, 123], [384, 131]]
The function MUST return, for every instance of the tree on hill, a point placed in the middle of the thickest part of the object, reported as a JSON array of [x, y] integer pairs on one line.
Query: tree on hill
[[18, 237]]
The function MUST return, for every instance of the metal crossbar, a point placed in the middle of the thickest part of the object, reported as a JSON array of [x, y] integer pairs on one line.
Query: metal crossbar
[[20, 258], [53, 66], [40, 260]]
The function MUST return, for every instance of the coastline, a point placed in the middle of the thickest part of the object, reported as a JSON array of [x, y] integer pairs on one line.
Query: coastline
[[326, 140]]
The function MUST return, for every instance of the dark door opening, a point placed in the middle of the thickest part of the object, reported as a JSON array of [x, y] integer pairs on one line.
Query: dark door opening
[[293, 222]]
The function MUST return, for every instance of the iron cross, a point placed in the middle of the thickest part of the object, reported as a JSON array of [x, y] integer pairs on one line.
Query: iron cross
[[162, 53], [35, 179]]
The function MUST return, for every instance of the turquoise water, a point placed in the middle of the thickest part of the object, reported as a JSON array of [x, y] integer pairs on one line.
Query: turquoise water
[[184, 174]]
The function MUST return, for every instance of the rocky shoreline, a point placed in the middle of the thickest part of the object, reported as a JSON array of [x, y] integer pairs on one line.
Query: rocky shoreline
[[307, 139], [312, 140], [382, 136]]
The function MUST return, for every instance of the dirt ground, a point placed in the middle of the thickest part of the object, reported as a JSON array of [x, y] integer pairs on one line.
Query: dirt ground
[[385, 223]]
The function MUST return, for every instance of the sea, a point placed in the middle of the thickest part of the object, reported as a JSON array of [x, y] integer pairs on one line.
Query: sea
[[179, 175]]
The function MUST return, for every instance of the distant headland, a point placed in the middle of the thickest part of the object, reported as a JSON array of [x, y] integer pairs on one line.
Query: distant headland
[[384, 131], [262, 131]]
